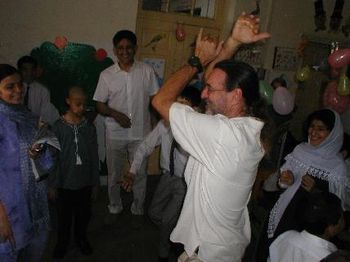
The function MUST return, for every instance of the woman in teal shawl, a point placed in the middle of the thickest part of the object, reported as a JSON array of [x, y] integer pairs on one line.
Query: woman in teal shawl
[[24, 216]]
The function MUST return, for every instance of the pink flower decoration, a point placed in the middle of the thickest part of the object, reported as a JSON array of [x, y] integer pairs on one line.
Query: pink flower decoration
[[101, 54], [61, 42]]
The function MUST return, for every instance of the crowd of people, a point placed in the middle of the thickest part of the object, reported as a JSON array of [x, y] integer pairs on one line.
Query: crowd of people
[[212, 143]]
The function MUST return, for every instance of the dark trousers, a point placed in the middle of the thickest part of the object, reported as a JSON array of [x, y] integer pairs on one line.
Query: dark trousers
[[73, 207]]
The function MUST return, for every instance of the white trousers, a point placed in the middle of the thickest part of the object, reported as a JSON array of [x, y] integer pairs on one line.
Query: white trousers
[[118, 152]]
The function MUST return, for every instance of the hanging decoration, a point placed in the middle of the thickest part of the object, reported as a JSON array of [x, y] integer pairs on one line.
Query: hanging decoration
[[339, 58], [180, 32], [61, 42], [283, 101], [320, 16], [335, 19], [343, 87], [266, 91], [303, 73], [101, 54], [332, 99]]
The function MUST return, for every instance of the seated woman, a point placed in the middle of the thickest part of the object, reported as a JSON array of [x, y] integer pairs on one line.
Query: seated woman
[[24, 216], [313, 165]]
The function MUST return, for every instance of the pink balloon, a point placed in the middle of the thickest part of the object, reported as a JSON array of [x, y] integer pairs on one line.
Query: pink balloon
[[333, 100], [339, 58], [282, 101]]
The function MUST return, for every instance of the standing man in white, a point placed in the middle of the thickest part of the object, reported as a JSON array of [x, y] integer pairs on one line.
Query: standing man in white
[[123, 96]]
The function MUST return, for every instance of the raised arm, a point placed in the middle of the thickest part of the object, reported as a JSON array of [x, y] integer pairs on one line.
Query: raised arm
[[206, 50], [244, 31]]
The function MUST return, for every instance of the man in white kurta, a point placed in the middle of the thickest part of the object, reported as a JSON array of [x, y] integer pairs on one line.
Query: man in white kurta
[[225, 147], [123, 95], [224, 155]]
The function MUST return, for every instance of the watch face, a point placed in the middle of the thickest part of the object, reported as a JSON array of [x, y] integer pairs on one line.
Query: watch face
[[195, 62]]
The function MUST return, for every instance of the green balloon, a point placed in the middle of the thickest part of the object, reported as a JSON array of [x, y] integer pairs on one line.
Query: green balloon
[[266, 91]]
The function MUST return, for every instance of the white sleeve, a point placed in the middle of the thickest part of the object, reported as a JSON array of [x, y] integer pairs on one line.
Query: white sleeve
[[101, 92], [146, 148], [48, 111], [153, 85], [197, 133]]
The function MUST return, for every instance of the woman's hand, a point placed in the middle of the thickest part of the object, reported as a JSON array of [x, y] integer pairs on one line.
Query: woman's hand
[[308, 183], [6, 233], [286, 179], [35, 150]]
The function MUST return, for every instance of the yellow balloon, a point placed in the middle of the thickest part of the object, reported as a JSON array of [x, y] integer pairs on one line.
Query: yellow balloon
[[343, 87], [303, 73]]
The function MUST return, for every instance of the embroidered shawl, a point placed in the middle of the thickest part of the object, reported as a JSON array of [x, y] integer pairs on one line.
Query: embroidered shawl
[[323, 162]]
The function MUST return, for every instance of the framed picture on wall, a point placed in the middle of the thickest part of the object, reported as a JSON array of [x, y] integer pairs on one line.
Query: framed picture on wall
[[285, 59]]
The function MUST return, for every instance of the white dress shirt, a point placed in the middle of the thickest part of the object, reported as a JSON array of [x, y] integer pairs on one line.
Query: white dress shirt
[[299, 247], [129, 93], [160, 135], [221, 170], [39, 102]]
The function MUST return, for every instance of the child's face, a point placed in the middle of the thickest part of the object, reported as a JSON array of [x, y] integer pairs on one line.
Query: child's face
[[28, 72], [76, 102], [11, 89]]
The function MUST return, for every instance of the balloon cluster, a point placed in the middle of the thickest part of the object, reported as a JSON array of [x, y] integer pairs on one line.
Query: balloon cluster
[[281, 98], [336, 95]]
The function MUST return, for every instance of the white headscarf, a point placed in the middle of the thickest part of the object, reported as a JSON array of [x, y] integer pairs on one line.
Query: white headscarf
[[322, 161]]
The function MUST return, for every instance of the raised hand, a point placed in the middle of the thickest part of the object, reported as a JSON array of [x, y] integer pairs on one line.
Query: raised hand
[[246, 29], [207, 48]]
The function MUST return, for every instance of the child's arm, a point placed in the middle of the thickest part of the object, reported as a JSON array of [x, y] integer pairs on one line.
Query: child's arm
[[147, 146], [145, 149]]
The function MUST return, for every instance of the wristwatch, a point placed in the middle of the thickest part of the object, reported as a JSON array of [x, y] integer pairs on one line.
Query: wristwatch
[[195, 62]]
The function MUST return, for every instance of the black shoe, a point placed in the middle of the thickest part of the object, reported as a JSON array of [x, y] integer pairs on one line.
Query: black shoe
[[85, 247], [59, 252]]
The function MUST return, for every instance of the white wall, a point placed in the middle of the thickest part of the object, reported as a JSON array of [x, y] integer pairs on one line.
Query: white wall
[[26, 24]]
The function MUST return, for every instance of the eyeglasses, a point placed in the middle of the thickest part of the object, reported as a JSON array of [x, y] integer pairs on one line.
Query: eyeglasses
[[212, 90]]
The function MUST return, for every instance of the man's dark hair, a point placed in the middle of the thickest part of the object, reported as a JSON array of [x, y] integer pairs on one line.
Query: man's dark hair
[[27, 60], [124, 34], [6, 70], [243, 76], [318, 211], [192, 94]]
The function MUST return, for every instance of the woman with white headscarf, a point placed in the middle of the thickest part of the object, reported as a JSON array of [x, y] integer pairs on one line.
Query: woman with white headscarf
[[313, 165]]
